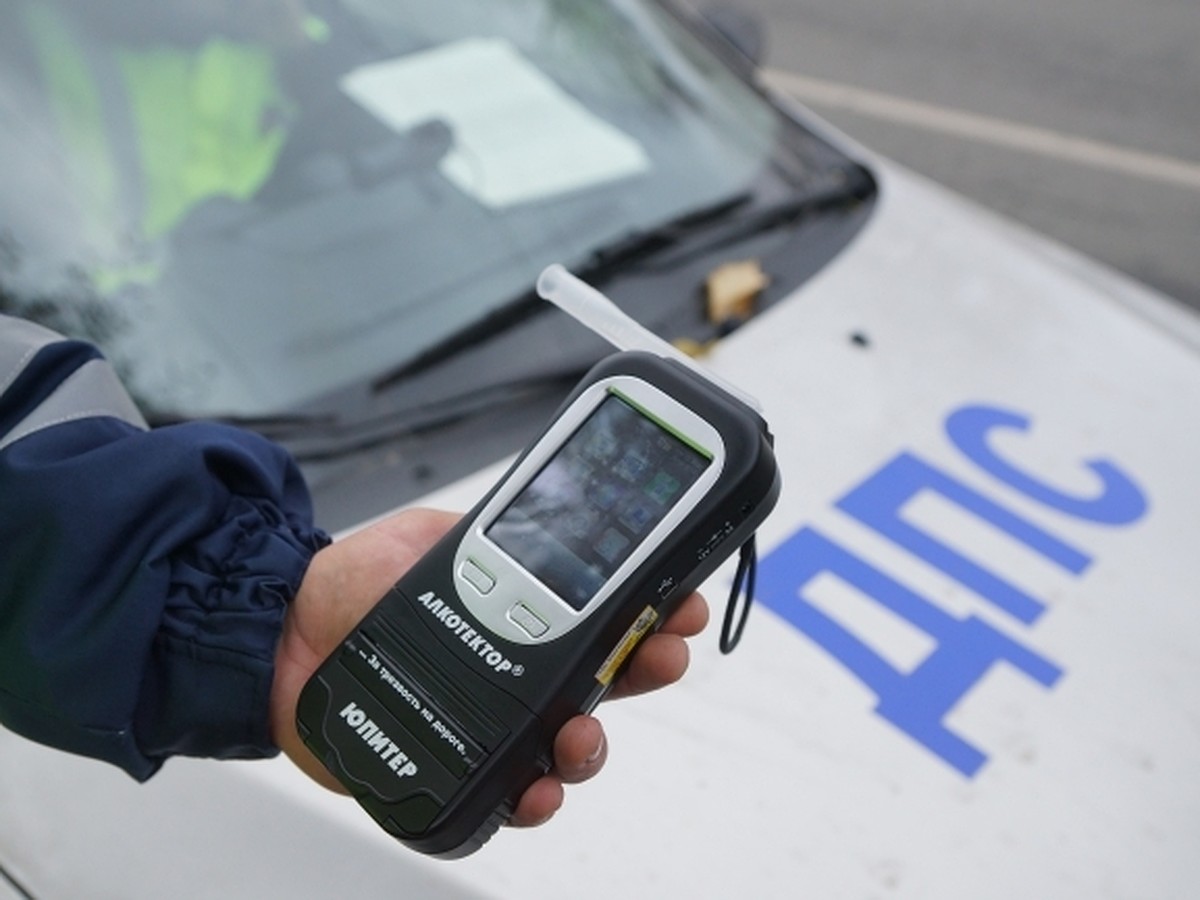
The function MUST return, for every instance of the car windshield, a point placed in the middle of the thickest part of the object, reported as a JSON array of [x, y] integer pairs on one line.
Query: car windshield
[[253, 208]]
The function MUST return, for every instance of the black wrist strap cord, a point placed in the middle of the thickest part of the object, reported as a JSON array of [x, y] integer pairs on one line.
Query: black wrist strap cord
[[744, 577]]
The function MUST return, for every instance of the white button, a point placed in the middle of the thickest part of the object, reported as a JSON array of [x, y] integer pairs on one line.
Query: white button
[[475, 576], [530, 621]]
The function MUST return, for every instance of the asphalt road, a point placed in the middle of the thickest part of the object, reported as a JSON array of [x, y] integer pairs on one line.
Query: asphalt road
[[1080, 118]]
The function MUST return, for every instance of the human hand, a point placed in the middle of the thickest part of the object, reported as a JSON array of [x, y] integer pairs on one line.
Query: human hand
[[349, 576]]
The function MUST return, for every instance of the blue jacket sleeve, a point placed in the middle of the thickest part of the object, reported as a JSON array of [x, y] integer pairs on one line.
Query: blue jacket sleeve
[[144, 573]]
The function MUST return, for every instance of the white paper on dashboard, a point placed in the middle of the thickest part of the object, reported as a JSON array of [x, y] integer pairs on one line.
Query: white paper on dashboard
[[518, 136]]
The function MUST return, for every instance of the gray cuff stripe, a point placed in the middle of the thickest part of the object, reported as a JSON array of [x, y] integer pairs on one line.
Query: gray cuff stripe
[[91, 390], [19, 342]]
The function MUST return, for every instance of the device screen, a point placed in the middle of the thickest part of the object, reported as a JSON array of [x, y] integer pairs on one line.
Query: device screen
[[589, 507]]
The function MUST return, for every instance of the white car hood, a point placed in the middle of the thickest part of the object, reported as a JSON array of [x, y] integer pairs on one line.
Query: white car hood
[[894, 723]]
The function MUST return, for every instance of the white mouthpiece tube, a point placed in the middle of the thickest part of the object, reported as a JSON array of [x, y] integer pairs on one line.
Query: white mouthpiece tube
[[591, 308]]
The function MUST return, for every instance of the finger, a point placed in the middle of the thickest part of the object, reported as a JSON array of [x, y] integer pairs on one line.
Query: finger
[[540, 801], [689, 619], [580, 749], [661, 659]]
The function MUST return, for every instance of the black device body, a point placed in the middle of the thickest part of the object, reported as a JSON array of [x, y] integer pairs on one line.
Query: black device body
[[435, 720]]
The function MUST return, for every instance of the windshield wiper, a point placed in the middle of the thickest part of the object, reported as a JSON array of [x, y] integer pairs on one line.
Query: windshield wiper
[[640, 243], [320, 436], [341, 438], [498, 320], [839, 188], [520, 308], [272, 425]]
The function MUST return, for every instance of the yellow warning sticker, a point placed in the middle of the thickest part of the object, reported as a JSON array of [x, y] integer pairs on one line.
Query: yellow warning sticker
[[626, 645]]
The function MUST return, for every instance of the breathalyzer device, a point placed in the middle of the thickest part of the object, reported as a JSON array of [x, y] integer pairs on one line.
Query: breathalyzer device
[[441, 706]]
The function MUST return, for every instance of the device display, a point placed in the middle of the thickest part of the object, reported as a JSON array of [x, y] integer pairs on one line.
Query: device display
[[441, 706], [597, 498]]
